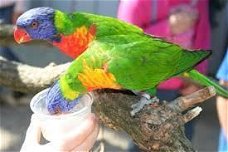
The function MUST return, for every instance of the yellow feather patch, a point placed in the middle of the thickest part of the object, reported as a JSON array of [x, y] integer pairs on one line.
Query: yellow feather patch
[[68, 93], [185, 74], [97, 78]]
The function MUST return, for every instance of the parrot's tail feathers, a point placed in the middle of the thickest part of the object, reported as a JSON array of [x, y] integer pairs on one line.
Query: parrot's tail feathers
[[203, 80]]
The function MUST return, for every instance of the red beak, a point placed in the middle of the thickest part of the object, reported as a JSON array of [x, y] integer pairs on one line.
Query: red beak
[[21, 36]]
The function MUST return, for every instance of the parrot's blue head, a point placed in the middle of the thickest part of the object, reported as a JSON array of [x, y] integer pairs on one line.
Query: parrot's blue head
[[56, 102], [37, 23]]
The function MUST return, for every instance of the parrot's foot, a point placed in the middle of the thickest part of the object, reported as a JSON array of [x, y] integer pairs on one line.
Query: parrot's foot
[[145, 100]]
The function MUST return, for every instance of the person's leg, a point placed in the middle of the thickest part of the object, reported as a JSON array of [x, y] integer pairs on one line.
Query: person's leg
[[167, 95], [223, 143]]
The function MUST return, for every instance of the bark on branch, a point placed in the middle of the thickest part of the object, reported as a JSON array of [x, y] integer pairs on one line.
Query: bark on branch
[[156, 128], [25, 78]]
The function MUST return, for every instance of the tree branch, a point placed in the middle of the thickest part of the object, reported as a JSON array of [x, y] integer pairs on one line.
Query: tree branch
[[156, 128], [25, 78]]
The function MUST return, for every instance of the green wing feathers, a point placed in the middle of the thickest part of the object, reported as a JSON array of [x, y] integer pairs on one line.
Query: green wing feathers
[[189, 59]]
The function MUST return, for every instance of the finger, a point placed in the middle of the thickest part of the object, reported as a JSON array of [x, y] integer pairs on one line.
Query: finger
[[32, 137], [88, 143], [33, 133], [75, 137]]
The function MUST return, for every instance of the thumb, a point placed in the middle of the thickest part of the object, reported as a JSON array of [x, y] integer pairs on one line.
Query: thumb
[[33, 133]]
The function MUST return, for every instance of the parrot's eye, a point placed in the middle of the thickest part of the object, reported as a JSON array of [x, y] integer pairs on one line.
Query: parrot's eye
[[34, 25]]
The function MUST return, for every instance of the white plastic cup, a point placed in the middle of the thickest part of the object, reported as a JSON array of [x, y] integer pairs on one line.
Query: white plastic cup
[[54, 126]]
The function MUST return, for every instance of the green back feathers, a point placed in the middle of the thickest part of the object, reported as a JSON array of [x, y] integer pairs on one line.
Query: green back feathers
[[67, 23], [110, 26]]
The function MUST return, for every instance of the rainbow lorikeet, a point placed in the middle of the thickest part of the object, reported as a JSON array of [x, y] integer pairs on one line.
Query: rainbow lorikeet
[[109, 54]]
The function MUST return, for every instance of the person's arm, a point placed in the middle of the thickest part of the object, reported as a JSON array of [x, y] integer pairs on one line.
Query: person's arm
[[222, 109], [222, 103]]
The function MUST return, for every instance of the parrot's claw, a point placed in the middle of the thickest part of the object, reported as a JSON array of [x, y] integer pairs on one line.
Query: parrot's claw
[[145, 100], [135, 105]]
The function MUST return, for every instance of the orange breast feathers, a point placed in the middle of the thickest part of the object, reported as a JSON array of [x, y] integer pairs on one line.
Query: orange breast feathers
[[75, 44]]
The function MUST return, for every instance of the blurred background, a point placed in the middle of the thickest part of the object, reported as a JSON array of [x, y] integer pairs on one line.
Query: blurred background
[[14, 108]]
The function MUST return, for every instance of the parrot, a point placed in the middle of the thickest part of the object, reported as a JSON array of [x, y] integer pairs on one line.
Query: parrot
[[108, 54]]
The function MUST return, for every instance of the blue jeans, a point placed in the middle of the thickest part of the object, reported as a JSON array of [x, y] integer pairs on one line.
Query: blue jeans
[[170, 95], [6, 15], [223, 142]]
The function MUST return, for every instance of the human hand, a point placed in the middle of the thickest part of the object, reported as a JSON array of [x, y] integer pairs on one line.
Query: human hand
[[81, 138], [182, 20]]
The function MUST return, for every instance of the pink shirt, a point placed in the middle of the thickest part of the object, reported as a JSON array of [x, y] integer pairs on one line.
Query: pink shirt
[[152, 16]]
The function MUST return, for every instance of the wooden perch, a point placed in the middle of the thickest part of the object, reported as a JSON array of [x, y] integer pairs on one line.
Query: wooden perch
[[25, 78], [158, 127]]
